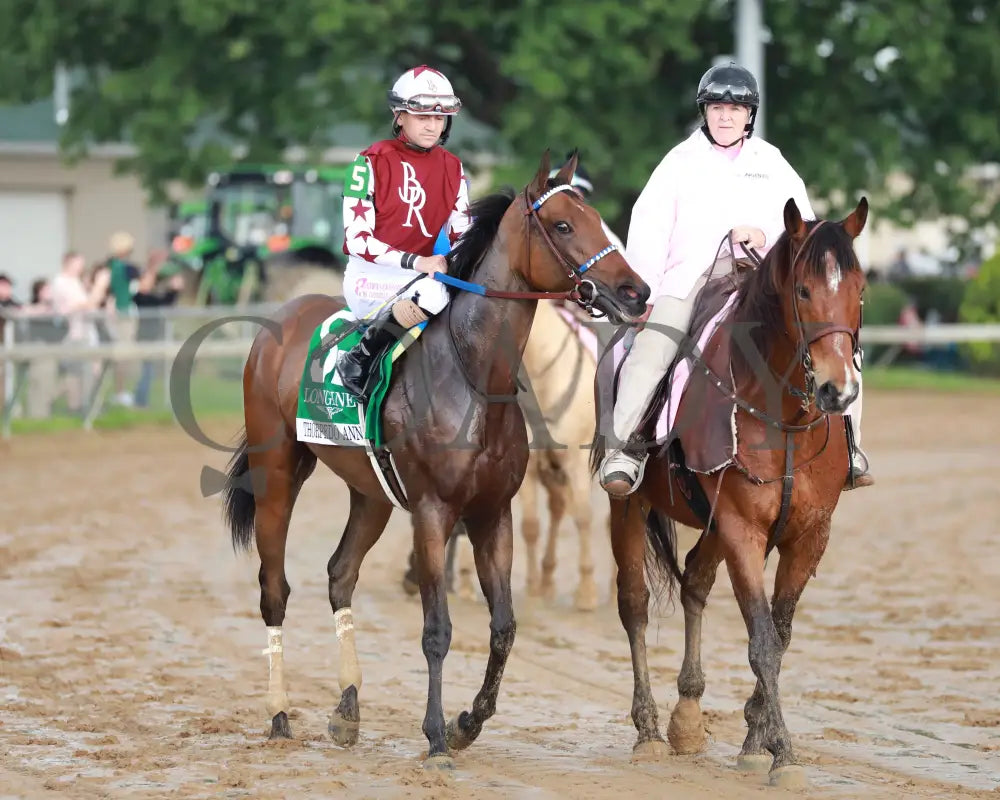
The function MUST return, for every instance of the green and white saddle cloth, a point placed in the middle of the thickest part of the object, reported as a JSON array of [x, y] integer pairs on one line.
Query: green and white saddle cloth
[[328, 413]]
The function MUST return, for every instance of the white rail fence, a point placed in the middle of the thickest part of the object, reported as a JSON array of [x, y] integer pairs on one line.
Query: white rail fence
[[28, 341]]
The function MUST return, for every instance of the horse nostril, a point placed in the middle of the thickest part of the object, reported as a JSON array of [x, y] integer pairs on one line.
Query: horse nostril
[[827, 393], [628, 292]]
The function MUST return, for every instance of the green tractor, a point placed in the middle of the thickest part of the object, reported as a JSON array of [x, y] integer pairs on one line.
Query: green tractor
[[262, 234]]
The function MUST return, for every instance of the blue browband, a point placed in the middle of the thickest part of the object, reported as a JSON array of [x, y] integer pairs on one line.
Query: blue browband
[[565, 187], [562, 187]]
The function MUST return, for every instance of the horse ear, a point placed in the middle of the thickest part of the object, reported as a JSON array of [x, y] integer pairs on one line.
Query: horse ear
[[565, 174], [854, 222], [542, 177], [794, 225]]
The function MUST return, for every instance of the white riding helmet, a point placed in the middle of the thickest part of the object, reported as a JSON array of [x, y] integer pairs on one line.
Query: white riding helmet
[[424, 91]]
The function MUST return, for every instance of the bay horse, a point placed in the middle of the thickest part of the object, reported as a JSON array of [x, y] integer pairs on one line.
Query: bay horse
[[453, 426], [804, 305], [560, 373]]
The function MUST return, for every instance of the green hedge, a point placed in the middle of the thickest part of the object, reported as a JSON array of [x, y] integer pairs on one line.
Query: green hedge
[[944, 294], [981, 303], [883, 303]]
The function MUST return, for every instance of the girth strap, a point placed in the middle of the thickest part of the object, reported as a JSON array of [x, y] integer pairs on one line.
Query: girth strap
[[787, 482]]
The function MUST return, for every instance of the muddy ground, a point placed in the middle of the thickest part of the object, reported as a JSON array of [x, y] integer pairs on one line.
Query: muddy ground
[[131, 666]]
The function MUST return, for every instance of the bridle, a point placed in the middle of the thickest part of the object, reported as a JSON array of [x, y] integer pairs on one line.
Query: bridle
[[584, 292], [808, 394]]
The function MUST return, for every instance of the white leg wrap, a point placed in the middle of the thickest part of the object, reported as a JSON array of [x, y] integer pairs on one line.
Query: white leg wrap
[[277, 698], [854, 409], [350, 670]]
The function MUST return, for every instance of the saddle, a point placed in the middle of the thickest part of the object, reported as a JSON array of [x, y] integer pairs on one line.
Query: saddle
[[702, 436]]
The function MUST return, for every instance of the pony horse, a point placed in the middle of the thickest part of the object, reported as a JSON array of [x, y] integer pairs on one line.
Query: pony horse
[[461, 454], [560, 371], [788, 391]]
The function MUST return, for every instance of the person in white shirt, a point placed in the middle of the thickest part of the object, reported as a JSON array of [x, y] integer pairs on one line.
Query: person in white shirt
[[718, 179]]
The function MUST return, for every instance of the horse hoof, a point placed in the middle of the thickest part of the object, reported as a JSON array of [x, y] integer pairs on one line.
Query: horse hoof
[[279, 727], [586, 598], [753, 762], [343, 732], [790, 777], [686, 733], [442, 762], [455, 737], [652, 750]]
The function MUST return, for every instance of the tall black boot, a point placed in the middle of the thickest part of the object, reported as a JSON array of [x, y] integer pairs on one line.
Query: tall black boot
[[357, 367]]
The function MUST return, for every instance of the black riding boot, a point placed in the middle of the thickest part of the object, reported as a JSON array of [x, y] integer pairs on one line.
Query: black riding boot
[[357, 367]]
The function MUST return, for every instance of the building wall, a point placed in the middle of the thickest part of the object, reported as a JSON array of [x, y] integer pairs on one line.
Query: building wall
[[98, 202]]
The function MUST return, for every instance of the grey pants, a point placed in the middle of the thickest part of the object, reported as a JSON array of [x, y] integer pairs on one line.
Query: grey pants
[[651, 354]]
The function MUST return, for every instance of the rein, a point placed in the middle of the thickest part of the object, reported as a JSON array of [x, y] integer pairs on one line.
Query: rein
[[807, 396], [573, 271]]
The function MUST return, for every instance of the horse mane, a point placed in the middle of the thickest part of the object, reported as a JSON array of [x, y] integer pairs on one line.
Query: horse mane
[[486, 214], [759, 296]]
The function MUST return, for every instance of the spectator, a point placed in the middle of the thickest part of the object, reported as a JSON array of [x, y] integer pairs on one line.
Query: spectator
[[124, 277], [909, 317], [40, 324], [7, 293], [7, 301], [7, 304], [41, 294], [900, 268], [71, 298], [152, 328]]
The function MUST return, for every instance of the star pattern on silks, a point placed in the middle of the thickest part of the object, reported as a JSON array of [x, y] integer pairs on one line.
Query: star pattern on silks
[[368, 255], [453, 236], [424, 68], [360, 208], [363, 235]]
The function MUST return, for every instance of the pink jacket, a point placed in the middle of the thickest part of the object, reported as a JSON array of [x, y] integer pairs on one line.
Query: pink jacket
[[694, 197]]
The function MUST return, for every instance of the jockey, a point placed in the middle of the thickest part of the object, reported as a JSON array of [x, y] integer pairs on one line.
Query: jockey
[[718, 179], [583, 185], [400, 194]]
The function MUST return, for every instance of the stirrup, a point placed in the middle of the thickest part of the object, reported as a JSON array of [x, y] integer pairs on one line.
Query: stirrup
[[622, 471], [356, 367], [858, 476]]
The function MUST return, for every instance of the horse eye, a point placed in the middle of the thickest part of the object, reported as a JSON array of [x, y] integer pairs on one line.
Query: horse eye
[[802, 292], [563, 227]]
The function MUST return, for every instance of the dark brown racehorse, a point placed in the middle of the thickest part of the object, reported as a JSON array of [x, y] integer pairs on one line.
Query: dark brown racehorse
[[805, 301], [460, 455]]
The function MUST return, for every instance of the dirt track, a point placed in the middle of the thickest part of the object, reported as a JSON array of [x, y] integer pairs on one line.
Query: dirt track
[[131, 666]]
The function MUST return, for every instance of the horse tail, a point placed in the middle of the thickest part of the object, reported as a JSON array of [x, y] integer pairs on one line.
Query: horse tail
[[661, 555], [238, 502], [597, 450]]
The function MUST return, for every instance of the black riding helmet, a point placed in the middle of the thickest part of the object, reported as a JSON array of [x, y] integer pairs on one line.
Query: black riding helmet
[[729, 83]]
